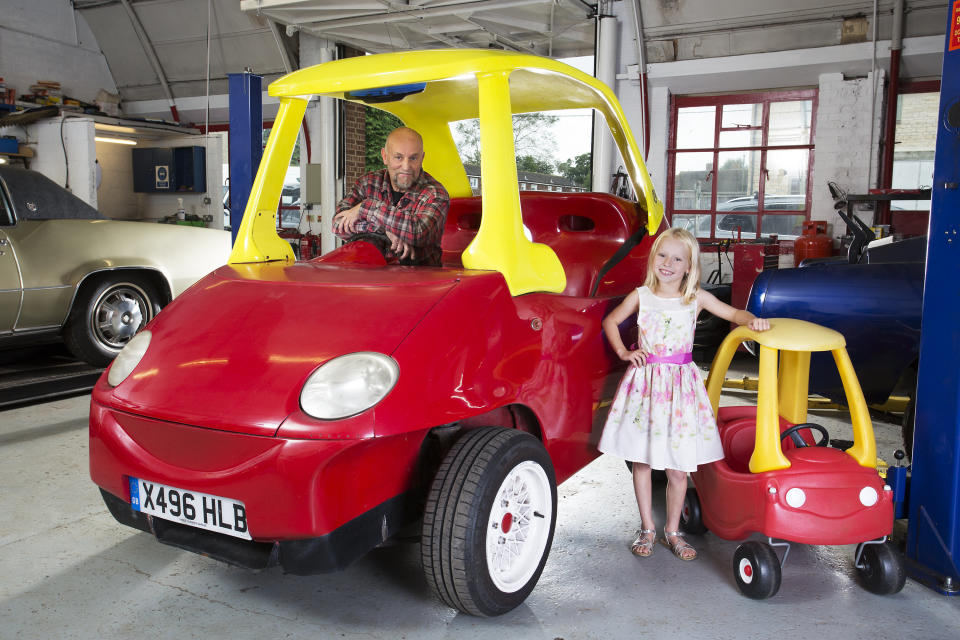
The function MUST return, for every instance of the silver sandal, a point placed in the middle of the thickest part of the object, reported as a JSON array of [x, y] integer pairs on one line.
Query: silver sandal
[[680, 546], [643, 548]]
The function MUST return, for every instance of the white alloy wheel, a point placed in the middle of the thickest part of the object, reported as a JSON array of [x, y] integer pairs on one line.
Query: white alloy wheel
[[488, 521], [519, 526]]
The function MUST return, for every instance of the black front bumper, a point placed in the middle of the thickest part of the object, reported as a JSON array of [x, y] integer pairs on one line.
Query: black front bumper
[[331, 552]]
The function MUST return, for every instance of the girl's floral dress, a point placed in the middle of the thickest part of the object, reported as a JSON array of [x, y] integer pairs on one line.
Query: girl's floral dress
[[661, 414]]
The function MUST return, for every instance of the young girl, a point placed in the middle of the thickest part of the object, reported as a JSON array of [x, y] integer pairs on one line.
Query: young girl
[[661, 416]]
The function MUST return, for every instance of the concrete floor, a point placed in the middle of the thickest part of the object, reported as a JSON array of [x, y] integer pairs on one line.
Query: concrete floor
[[68, 570]]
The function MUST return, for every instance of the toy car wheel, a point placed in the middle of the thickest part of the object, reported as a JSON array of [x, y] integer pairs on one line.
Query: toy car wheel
[[756, 570], [657, 476], [691, 516], [881, 569], [106, 314], [489, 521]]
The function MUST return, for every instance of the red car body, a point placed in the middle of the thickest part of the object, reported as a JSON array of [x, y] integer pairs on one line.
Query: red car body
[[216, 409]]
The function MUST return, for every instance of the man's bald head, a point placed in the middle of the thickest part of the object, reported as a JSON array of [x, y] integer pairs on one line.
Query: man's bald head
[[403, 156]]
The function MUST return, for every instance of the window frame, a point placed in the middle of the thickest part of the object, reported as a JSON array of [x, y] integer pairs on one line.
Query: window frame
[[764, 98]]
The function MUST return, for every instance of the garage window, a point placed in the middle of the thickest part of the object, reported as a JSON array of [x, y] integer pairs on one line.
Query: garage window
[[740, 164]]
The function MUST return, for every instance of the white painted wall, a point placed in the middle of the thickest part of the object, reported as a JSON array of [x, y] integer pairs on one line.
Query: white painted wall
[[47, 40], [68, 153]]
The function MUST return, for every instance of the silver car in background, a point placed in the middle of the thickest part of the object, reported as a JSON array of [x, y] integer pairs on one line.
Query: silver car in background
[[68, 271]]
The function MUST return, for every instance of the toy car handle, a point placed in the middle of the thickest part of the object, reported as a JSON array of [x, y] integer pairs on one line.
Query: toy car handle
[[793, 433]]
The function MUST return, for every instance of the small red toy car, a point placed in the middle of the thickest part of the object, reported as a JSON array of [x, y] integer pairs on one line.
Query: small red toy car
[[300, 413], [776, 479]]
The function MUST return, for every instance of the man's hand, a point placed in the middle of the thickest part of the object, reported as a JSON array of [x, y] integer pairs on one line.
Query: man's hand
[[400, 248], [346, 220]]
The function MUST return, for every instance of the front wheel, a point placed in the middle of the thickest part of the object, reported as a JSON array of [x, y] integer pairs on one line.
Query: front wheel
[[107, 313], [756, 570], [881, 569], [489, 521]]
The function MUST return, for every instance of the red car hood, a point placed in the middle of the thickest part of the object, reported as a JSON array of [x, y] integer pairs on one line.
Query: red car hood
[[233, 351]]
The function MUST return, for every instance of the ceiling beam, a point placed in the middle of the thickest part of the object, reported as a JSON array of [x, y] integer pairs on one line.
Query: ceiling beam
[[413, 13]]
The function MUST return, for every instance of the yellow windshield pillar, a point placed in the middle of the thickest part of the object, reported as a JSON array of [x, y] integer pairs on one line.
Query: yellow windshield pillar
[[864, 449], [767, 454], [257, 239], [500, 244], [794, 383]]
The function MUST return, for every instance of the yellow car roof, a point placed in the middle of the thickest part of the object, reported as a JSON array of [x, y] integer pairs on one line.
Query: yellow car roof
[[451, 94]]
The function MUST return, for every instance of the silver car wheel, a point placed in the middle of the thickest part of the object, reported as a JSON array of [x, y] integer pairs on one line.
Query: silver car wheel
[[118, 313]]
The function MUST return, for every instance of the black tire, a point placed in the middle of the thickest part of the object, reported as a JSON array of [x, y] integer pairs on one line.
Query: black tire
[[107, 313], [691, 516], [906, 427], [756, 570], [881, 569], [658, 477], [471, 514]]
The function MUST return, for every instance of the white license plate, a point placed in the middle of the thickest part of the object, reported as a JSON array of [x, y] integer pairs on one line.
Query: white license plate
[[202, 510]]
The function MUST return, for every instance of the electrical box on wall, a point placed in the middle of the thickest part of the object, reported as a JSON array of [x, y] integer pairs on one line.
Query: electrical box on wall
[[170, 170], [310, 185]]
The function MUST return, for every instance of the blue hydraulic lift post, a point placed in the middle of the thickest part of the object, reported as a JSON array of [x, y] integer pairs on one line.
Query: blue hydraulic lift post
[[933, 535], [245, 141]]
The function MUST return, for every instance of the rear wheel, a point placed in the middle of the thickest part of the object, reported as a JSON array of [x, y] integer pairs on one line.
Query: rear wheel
[[489, 521], [756, 570], [881, 569], [107, 313], [691, 516]]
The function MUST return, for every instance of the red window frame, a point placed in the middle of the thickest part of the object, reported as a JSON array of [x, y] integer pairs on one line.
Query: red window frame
[[765, 98]]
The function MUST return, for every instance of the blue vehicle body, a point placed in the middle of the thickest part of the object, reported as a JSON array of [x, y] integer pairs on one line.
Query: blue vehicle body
[[875, 303]]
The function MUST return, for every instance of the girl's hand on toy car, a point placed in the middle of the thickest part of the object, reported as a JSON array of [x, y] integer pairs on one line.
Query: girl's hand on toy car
[[759, 324]]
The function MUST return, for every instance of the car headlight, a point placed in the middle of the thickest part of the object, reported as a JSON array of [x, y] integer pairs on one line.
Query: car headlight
[[868, 496], [348, 385], [128, 358], [796, 497]]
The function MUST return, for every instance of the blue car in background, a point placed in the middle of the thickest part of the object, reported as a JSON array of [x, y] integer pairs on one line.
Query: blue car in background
[[874, 298]]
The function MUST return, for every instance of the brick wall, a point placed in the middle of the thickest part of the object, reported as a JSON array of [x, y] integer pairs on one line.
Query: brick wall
[[355, 137], [843, 148], [355, 141]]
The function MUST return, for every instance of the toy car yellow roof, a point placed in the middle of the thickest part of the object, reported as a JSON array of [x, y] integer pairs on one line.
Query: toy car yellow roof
[[428, 90]]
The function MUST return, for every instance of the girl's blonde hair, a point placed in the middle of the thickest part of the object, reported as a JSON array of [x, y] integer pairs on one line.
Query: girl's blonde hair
[[691, 280]]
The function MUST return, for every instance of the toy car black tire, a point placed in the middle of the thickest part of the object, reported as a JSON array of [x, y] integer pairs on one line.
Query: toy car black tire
[[881, 569], [691, 515], [756, 570], [107, 313], [494, 490]]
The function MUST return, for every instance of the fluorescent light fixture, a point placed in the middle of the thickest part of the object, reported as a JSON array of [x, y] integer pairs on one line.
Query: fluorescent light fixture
[[115, 140]]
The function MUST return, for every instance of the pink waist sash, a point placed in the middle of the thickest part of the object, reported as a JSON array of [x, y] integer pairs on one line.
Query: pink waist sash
[[674, 358]]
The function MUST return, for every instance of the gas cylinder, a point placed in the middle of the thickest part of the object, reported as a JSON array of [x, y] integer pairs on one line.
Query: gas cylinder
[[814, 243]]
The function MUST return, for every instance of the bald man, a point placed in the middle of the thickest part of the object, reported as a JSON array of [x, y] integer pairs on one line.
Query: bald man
[[401, 202]]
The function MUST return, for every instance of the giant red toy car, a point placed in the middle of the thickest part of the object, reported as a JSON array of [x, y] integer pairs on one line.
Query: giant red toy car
[[299, 413], [776, 479]]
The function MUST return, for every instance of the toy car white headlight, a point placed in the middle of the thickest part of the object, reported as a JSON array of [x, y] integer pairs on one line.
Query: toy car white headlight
[[868, 496], [128, 358], [796, 497], [348, 385]]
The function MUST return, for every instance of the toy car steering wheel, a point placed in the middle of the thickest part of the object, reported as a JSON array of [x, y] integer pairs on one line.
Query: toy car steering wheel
[[794, 434]]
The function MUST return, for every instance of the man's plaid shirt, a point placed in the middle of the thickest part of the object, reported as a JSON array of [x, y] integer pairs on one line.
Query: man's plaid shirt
[[417, 219]]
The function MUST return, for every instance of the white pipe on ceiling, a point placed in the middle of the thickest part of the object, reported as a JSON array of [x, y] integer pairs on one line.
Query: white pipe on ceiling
[[606, 59]]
